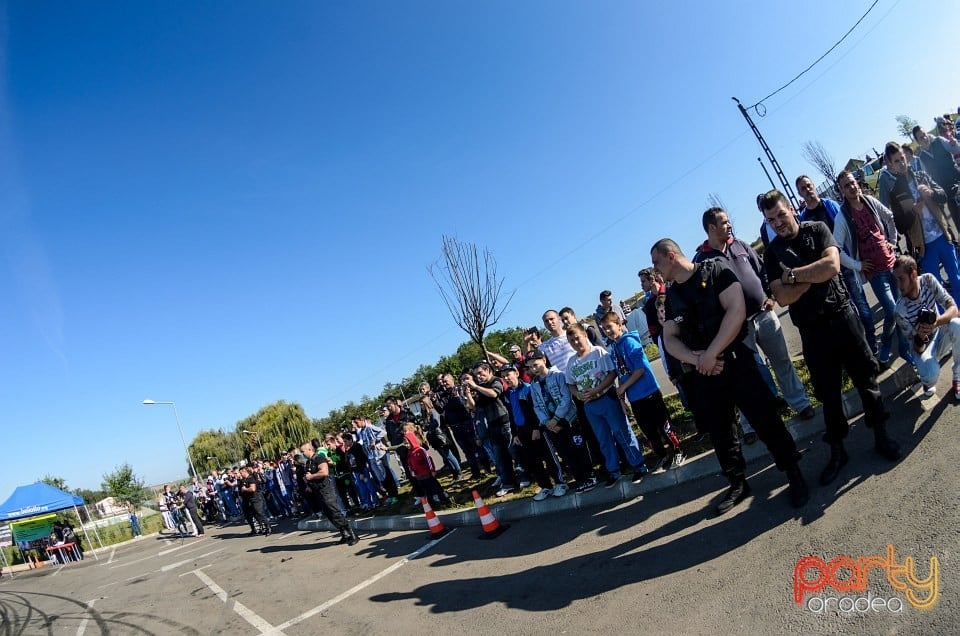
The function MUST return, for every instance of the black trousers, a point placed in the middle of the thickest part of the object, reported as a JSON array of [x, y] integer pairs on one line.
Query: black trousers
[[536, 455], [651, 414], [323, 497], [195, 517], [467, 440], [829, 347], [741, 386], [574, 451], [253, 511]]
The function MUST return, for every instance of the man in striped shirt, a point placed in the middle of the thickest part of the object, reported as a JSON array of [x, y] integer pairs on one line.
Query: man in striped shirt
[[927, 316]]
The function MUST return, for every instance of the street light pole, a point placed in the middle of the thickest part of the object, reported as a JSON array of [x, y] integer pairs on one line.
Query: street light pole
[[257, 435], [180, 430]]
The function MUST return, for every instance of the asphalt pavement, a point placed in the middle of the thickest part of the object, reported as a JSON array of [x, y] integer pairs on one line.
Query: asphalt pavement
[[661, 562]]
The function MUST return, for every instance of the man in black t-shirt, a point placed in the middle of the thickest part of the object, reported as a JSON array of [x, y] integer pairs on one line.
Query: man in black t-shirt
[[320, 491], [488, 390], [803, 266], [704, 329], [251, 496]]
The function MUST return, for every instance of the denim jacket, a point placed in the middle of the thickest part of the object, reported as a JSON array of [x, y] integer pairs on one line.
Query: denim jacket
[[559, 394]]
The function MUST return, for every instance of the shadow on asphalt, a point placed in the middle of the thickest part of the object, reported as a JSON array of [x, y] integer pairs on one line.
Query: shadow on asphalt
[[683, 543]]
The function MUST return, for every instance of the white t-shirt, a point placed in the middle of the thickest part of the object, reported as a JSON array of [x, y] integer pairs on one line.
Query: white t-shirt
[[558, 351], [590, 370]]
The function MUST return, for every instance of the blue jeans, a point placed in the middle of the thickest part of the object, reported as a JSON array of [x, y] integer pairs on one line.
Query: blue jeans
[[885, 289], [612, 429], [942, 252]]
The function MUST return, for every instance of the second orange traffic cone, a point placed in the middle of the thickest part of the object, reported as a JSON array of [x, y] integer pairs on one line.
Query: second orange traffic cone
[[491, 527], [436, 526]]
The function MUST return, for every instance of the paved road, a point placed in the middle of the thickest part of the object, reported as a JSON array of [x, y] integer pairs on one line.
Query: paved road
[[659, 564]]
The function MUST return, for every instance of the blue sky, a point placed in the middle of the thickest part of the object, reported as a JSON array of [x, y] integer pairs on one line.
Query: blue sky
[[226, 204]]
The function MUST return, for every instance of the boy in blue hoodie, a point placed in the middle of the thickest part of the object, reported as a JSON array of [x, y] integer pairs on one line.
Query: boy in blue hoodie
[[642, 391]]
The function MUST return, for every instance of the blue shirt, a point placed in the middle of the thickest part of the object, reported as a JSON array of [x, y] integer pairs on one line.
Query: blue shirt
[[522, 392], [629, 356]]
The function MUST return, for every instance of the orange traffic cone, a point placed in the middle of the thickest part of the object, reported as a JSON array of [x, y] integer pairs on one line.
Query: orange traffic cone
[[491, 527], [436, 527]]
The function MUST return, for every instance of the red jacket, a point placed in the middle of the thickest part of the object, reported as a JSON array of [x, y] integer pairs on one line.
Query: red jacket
[[418, 460]]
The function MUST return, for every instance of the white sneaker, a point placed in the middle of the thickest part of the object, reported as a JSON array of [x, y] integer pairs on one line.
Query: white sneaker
[[678, 459], [496, 483], [542, 494], [560, 490], [504, 491], [524, 483], [929, 391]]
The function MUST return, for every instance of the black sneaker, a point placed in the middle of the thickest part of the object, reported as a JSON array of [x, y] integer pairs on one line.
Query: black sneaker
[[587, 485], [611, 482]]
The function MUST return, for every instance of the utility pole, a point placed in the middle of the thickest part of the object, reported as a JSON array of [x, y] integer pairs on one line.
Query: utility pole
[[787, 188], [767, 172]]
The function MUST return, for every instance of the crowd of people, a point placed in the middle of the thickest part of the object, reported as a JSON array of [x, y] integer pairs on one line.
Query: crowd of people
[[557, 411]]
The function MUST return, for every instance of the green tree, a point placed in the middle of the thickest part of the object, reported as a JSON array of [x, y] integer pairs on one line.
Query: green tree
[[277, 427], [57, 482], [212, 449], [905, 126], [89, 496], [124, 486]]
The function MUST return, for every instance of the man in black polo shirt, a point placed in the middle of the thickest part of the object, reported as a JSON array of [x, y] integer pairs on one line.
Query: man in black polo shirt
[[803, 266], [705, 329]]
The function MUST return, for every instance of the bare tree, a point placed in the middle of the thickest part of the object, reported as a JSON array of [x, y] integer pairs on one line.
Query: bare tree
[[468, 283], [819, 158], [905, 126]]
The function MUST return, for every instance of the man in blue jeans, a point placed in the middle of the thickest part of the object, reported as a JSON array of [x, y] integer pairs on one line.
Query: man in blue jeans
[[866, 231], [917, 204]]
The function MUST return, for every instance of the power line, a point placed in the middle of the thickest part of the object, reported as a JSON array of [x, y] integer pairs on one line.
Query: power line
[[804, 71]]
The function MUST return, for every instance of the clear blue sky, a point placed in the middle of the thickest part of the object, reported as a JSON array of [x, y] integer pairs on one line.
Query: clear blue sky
[[225, 204]]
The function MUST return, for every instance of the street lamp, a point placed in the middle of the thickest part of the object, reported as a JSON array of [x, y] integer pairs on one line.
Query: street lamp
[[215, 458], [182, 440], [257, 435]]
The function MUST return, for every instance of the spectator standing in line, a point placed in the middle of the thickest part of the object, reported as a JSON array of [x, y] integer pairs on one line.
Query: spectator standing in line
[[763, 325], [487, 390], [917, 205], [803, 265], [536, 455], [569, 317], [371, 437], [553, 405], [590, 377], [867, 235], [936, 155], [640, 389], [459, 422]]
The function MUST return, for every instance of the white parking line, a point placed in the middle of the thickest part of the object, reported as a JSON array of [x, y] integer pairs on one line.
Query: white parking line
[[59, 569], [173, 566], [112, 552], [86, 619], [356, 588], [195, 546], [245, 612]]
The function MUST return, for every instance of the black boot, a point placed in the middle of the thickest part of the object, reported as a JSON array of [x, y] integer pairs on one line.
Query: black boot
[[883, 444], [799, 493], [838, 459], [348, 536], [738, 492]]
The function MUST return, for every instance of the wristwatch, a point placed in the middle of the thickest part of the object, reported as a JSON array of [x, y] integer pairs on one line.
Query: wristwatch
[[791, 277]]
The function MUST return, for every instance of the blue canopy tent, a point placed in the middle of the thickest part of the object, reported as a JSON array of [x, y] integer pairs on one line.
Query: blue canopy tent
[[41, 498]]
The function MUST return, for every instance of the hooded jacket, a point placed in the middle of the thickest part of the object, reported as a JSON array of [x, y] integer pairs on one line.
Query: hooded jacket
[[418, 460]]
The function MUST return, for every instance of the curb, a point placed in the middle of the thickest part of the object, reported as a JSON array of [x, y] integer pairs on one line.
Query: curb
[[892, 382]]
